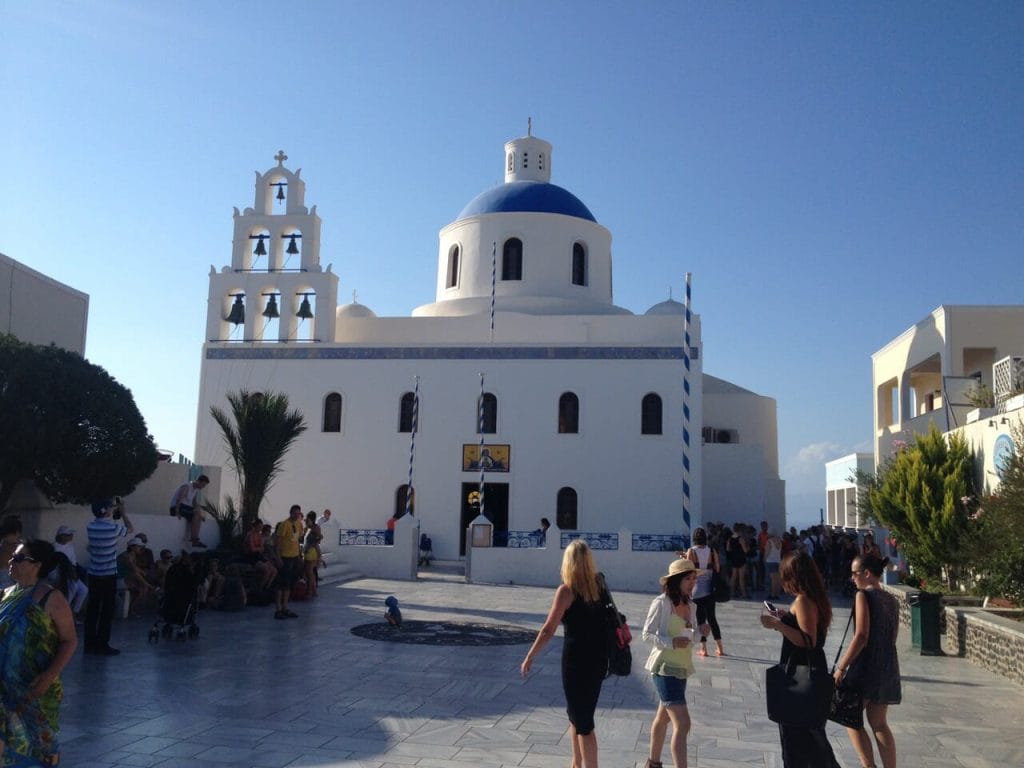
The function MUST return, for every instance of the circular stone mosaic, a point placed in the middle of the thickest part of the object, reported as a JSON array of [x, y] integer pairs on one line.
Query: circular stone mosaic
[[444, 633]]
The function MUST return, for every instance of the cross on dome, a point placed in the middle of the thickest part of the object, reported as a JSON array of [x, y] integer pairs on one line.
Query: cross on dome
[[280, 157]]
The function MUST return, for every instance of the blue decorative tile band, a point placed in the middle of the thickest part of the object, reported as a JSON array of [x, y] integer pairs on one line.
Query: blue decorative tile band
[[279, 352]]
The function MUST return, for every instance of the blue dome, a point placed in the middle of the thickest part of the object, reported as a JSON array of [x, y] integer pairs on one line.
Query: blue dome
[[527, 197]]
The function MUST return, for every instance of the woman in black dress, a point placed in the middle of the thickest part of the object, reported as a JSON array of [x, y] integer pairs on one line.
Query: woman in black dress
[[579, 607], [870, 664], [803, 629]]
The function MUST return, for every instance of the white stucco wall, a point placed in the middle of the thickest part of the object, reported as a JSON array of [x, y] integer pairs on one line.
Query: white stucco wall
[[40, 310]]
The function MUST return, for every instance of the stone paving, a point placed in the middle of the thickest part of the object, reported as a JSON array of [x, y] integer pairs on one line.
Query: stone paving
[[252, 691]]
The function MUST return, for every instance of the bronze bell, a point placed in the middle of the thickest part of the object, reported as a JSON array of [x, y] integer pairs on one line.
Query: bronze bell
[[237, 314], [260, 249], [305, 310], [270, 311], [280, 193], [292, 247]]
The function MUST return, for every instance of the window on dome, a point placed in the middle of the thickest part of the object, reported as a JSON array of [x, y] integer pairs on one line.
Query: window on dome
[[579, 264], [512, 259], [540, 162], [332, 412], [565, 509], [526, 161], [511, 162], [568, 414], [487, 415], [406, 412], [452, 280], [650, 415]]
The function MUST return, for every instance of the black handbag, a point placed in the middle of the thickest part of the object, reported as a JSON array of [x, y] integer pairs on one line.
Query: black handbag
[[620, 657], [798, 691], [847, 703], [720, 588]]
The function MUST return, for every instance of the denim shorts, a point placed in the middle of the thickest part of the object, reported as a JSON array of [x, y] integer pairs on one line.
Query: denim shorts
[[671, 690]]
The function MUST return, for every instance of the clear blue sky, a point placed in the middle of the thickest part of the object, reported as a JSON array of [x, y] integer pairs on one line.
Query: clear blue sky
[[829, 173]]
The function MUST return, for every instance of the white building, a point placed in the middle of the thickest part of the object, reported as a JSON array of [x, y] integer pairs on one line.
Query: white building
[[843, 495], [40, 310], [583, 400], [924, 377]]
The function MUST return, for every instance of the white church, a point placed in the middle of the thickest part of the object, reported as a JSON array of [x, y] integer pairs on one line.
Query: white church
[[581, 414]]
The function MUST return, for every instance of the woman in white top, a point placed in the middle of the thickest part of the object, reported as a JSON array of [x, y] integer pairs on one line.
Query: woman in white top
[[669, 628], [706, 560]]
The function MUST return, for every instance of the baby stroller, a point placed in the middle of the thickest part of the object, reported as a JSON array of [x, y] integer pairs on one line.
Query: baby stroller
[[176, 614], [426, 550]]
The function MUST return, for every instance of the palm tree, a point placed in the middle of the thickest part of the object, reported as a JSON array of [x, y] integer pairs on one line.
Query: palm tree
[[258, 433]]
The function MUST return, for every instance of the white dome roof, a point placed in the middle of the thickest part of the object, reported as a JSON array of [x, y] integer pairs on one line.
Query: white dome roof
[[354, 311], [667, 307]]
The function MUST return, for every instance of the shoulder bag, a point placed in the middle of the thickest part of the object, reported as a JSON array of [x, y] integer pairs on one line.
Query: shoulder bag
[[798, 690], [620, 657], [847, 705]]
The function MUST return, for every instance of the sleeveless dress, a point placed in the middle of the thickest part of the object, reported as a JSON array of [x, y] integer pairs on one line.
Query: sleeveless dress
[[28, 642], [876, 670], [584, 661], [805, 747]]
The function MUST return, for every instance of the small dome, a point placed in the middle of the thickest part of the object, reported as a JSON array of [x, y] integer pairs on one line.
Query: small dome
[[667, 307], [354, 311], [527, 197]]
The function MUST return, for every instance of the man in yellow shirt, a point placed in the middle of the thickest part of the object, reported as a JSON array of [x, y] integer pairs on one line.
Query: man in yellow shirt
[[288, 537]]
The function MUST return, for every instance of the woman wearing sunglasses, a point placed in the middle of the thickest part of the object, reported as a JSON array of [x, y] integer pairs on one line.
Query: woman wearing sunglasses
[[37, 639], [870, 663]]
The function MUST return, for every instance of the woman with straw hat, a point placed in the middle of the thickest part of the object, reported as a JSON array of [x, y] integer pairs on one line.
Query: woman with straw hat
[[669, 627]]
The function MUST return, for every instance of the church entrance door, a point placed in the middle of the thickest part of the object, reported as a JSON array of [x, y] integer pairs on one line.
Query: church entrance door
[[495, 508]]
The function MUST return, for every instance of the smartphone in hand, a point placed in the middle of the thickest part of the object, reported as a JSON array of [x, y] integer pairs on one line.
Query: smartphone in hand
[[771, 607]]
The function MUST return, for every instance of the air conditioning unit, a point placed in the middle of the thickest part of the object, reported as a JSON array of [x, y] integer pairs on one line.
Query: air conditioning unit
[[715, 435]]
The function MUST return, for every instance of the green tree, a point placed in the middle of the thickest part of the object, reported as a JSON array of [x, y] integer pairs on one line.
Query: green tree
[[998, 557], [68, 426], [925, 495], [258, 430]]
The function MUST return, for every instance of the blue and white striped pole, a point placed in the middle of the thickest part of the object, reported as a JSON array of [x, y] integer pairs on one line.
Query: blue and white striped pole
[[686, 407], [494, 271], [412, 445], [480, 455]]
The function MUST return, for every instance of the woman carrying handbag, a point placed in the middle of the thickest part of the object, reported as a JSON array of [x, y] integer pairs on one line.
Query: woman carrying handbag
[[803, 628], [870, 663]]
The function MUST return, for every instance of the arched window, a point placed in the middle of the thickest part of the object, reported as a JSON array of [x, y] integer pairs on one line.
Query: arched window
[[512, 259], [650, 415], [511, 162], [400, 498], [579, 264], [568, 414], [488, 419], [332, 413], [452, 278], [407, 412], [565, 509]]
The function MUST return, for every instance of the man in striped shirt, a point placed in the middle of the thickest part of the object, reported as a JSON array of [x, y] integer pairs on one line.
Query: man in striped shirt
[[105, 535]]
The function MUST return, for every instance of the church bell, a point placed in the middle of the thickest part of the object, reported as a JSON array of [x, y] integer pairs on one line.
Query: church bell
[[237, 314], [305, 310], [292, 248], [270, 311], [260, 249]]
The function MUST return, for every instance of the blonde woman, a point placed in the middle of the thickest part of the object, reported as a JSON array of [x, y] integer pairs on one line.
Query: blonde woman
[[670, 628], [578, 605]]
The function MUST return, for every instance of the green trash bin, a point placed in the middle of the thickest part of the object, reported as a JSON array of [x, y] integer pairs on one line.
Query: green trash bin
[[924, 622]]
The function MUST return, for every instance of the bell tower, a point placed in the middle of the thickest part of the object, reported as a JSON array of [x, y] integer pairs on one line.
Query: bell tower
[[275, 290]]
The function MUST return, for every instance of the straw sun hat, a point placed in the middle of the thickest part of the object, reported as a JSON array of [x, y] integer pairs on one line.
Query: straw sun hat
[[682, 565]]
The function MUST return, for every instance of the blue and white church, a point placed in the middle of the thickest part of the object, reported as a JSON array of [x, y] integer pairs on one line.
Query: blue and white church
[[577, 403]]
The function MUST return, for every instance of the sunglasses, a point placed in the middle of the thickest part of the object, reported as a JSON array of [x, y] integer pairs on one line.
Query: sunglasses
[[22, 557]]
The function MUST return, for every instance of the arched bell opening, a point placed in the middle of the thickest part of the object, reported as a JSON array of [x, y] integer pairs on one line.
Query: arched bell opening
[[257, 255], [276, 194], [233, 316], [290, 249], [268, 327], [303, 326]]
